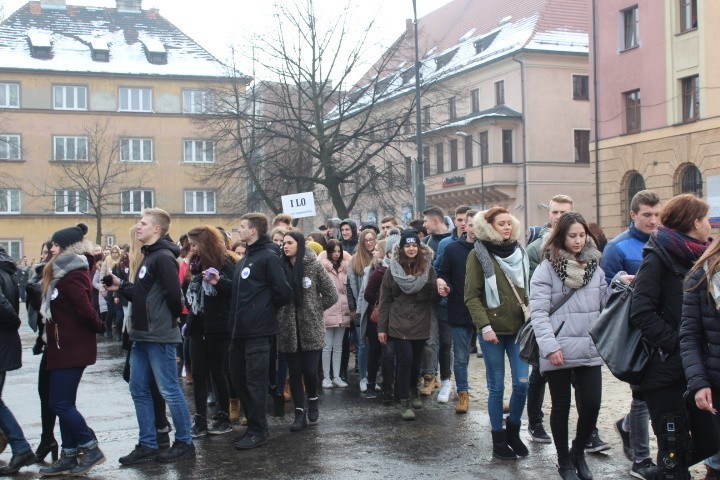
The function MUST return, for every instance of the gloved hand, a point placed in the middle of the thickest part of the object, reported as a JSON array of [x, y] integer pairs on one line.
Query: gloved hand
[[39, 346]]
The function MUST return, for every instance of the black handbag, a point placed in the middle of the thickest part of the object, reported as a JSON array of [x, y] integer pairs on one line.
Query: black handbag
[[525, 339], [620, 344]]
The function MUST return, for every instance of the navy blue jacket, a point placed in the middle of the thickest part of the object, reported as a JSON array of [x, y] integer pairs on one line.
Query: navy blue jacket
[[624, 253], [452, 270]]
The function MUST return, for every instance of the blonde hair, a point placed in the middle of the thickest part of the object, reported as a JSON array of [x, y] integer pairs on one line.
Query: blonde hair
[[160, 217]]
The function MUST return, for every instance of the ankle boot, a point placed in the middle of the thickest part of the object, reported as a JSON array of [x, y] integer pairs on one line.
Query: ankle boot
[[279, 402], [300, 420], [66, 462], [45, 447], [313, 412], [567, 471], [87, 458], [234, 410], [501, 449], [18, 461], [577, 458], [406, 411], [513, 436]]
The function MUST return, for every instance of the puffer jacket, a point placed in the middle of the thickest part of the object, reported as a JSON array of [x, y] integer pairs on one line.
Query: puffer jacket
[[407, 316], [572, 321], [337, 315], [10, 350], [301, 326], [700, 335]]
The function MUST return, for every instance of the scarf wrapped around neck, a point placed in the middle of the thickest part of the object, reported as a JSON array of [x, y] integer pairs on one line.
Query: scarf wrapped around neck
[[576, 271], [409, 284], [512, 260], [687, 249], [61, 266]]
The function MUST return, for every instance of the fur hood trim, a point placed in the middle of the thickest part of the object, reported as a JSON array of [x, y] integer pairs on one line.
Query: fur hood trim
[[484, 231], [79, 248], [396, 251]]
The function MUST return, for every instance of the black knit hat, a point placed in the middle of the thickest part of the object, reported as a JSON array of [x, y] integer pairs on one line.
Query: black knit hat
[[67, 236], [409, 236]]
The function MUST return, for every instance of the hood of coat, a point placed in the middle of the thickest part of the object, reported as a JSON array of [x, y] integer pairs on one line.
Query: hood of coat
[[353, 227], [160, 244], [6, 263], [484, 231], [327, 264]]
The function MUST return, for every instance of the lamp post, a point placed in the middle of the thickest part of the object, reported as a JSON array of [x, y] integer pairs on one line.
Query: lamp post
[[420, 170], [482, 165]]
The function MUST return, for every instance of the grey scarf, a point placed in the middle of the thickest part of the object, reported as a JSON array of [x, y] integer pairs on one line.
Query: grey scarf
[[515, 266], [63, 264], [197, 291], [408, 283]]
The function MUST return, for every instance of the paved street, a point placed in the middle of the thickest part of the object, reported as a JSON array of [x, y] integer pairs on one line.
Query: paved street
[[355, 437]]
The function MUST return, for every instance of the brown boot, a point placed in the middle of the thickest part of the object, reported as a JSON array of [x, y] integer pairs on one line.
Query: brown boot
[[463, 403], [428, 385], [711, 473], [286, 393], [234, 410], [506, 407]]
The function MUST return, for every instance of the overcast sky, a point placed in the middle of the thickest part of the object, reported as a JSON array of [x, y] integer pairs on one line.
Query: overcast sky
[[218, 24]]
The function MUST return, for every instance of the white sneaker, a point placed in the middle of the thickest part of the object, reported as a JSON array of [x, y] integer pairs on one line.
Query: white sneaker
[[378, 387], [184, 373], [363, 385], [338, 382], [327, 383], [444, 392]]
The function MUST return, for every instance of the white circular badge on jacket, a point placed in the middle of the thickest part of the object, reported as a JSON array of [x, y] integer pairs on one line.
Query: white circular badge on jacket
[[245, 273], [54, 294], [143, 271], [307, 283]]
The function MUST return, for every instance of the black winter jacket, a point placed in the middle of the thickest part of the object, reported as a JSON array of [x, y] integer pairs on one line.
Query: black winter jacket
[[259, 288], [700, 335], [213, 320], [10, 349], [452, 269], [656, 310]]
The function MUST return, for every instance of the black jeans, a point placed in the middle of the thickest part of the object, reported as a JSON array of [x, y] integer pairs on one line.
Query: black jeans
[[409, 355], [668, 405], [209, 361], [47, 416], [249, 363], [535, 397], [303, 366], [374, 353], [588, 388]]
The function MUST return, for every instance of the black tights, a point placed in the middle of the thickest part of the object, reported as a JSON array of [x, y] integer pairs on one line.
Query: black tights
[[46, 414], [209, 361], [303, 366], [588, 390]]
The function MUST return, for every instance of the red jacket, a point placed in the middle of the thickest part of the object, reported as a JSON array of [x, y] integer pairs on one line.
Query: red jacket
[[71, 340]]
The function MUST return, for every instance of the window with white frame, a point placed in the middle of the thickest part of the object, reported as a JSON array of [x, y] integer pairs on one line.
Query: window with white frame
[[69, 97], [9, 200], [10, 147], [71, 201], [135, 99], [199, 151], [13, 248], [136, 150], [200, 201], [631, 36], [197, 101], [134, 201], [9, 95], [70, 149]]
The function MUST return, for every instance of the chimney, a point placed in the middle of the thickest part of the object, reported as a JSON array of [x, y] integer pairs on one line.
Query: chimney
[[129, 6], [54, 4]]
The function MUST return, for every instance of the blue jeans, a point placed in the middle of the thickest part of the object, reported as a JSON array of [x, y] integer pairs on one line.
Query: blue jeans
[[362, 351], [8, 424], [148, 360], [74, 431], [494, 357], [462, 336]]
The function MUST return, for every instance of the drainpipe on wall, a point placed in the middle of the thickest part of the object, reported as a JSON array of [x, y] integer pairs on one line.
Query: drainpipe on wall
[[595, 120], [524, 141]]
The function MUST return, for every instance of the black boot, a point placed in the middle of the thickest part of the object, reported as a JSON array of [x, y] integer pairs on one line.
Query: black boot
[[279, 402], [501, 449], [47, 447], [577, 457], [513, 437], [66, 462], [313, 413], [300, 420], [18, 461], [87, 458], [567, 471]]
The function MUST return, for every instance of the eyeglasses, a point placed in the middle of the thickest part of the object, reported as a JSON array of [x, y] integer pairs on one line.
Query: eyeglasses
[[369, 240]]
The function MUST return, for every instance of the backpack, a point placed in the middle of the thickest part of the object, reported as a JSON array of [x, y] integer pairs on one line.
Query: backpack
[[533, 233]]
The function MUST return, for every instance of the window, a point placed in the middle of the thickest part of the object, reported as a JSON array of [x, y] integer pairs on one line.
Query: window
[[688, 15], [500, 93], [199, 151], [691, 98], [136, 150], [691, 181], [9, 95], [199, 201], [71, 201], [632, 111], [70, 149], [426, 116], [580, 87], [507, 146], [452, 108], [440, 157], [10, 147], [9, 200], [426, 161], [135, 100], [484, 43], [69, 97], [134, 201], [582, 146], [475, 100], [469, 151], [196, 101], [13, 248], [630, 27], [484, 152], [634, 182], [453, 155]]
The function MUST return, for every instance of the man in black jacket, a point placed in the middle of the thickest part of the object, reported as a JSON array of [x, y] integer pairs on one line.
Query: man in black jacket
[[259, 288]]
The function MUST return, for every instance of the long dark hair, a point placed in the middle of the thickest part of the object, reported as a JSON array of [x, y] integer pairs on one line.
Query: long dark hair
[[414, 266], [297, 270], [330, 249], [556, 242], [210, 246]]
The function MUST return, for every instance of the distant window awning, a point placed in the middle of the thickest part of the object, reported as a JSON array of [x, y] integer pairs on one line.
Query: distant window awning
[[100, 50], [155, 51], [40, 44]]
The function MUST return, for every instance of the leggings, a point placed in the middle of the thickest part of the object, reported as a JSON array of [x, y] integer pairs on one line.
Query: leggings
[[303, 366], [46, 414], [409, 358]]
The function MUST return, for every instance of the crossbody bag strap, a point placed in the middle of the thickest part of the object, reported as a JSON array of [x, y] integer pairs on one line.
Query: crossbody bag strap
[[562, 301], [512, 285]]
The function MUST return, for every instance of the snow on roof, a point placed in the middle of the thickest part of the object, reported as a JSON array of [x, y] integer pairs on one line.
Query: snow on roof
[[74, 33]]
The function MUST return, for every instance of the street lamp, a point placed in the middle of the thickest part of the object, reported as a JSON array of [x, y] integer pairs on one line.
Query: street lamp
[[482, 169], [420, 171]]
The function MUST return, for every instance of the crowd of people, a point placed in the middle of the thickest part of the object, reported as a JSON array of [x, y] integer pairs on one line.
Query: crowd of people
[[280, 312]]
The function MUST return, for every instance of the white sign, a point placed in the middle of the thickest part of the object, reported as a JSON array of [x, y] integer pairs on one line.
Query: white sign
[[299, 205]]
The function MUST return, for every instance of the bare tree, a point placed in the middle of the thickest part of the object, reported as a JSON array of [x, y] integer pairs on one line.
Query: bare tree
[[302, 131]]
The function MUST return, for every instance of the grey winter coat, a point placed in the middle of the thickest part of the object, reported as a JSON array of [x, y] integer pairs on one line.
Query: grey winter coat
[[573, 320], [306, 320]]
